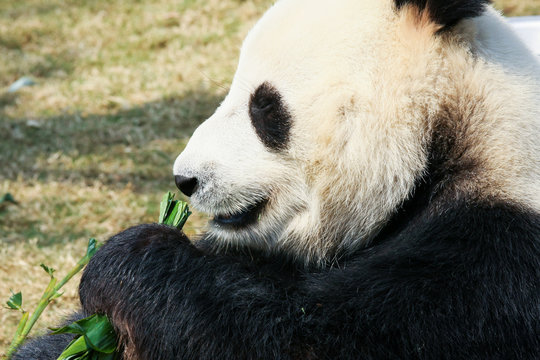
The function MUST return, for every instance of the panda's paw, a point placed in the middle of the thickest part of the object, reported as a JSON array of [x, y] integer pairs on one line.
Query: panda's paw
[[139, 237], [47, 347], [131, 263]]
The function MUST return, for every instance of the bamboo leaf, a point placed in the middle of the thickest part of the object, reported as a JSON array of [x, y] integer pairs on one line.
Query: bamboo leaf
[[182, 216], [73, 328], [97, 331], [48, 270], [15, 301], [77, 349], [164, 206], [7, 197], [101, 337], [173, 212], [170, 217], [179, 213], [92, 248]]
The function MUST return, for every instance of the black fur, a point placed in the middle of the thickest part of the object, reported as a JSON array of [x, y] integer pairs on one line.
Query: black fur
[[270, 117], [462, 283], [448, 12], [451, 276], [449, 165], [48, 346]]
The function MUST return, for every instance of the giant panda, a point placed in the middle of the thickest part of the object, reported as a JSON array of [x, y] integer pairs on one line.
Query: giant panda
[[374, 181]]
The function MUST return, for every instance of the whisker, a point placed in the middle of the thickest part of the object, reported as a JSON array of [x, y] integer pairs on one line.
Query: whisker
[[214, 82]]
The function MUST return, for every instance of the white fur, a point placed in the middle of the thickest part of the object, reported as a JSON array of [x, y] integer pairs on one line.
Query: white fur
[[364, 85]]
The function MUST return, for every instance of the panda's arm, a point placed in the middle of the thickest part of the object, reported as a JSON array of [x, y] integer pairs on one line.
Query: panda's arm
[[169, 300], [47, 347], [427, 294]]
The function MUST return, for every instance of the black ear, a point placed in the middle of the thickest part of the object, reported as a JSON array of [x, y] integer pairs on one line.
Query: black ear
[[447, 12]]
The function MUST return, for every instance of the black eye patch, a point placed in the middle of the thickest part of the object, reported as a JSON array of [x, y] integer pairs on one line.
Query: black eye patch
[[270, 117]]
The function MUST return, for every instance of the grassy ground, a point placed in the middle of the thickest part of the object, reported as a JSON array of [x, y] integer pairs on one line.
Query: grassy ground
[[88, 150]]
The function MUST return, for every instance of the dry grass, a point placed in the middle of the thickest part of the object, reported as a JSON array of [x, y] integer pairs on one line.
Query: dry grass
[[88, 150], [518, 7]]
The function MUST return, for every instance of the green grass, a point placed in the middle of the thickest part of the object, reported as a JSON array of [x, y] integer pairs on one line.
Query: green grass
[[120, 86]]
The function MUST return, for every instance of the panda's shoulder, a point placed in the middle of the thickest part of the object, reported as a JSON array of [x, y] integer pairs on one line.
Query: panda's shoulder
[[467, 231]]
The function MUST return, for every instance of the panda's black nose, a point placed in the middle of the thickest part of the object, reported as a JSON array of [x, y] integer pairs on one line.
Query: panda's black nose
[[187, 185]]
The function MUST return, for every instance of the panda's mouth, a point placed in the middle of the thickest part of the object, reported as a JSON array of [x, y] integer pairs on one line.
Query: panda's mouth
[[241, 219]]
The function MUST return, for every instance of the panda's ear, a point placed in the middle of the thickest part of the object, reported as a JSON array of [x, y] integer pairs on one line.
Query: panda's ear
[[443, 13]]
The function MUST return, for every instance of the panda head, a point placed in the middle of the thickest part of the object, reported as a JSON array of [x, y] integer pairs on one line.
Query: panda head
[[332, 118]]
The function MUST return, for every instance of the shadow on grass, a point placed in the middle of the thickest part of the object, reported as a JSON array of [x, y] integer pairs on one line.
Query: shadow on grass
[[7, 99], [136, 146]]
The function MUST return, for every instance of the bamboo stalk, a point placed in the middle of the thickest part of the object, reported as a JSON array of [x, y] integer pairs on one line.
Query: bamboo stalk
[[51, 292]]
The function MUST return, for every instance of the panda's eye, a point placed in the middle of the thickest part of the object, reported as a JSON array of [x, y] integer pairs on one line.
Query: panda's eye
[[270, 117], [262, 102]]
